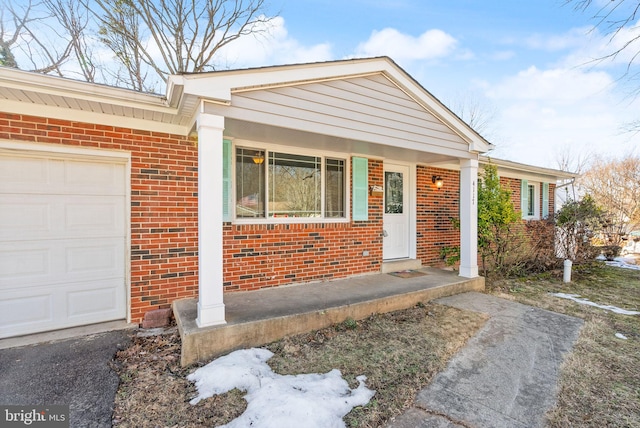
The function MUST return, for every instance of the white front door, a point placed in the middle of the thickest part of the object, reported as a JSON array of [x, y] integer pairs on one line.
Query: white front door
[[396, 212]]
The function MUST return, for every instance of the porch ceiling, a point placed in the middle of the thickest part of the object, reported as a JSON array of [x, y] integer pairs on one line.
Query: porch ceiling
[[270, 134]]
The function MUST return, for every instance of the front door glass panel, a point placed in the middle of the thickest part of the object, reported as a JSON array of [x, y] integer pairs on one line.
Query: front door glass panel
[[393, 193]]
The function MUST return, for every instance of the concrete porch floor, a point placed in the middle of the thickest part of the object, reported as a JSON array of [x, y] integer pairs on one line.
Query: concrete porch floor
[[256, 318]]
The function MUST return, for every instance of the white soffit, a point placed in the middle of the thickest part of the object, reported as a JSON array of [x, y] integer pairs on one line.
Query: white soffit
[[37, 94]]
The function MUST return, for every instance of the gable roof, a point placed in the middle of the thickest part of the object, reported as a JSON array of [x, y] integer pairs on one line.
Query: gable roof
[[37, 94], [220, 86]]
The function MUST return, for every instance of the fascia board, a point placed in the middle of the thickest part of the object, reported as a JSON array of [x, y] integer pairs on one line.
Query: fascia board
[[62, 113], [523, 171], [223, 83], [56, 86]]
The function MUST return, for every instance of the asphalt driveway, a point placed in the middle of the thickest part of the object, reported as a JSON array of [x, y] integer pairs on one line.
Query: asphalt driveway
[[74, 372]]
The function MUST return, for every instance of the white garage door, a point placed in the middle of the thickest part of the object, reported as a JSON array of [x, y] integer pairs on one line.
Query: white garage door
[[62, 242]]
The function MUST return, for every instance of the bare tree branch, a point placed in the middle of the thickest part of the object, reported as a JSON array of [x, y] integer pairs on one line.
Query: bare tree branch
[[74, 19], [615, 186], [27, 28], [620, 20], [177, 36]]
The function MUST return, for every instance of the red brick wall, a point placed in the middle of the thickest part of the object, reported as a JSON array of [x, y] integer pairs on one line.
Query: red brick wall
[[435, 209], [267, 255], [512, 185], [164, 241], [164, 209]]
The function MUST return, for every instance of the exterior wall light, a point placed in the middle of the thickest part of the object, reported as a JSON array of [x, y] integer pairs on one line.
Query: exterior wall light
[[437, 180], [258, 158]]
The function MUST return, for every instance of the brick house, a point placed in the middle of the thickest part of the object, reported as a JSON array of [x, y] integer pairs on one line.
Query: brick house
[[114, 203]]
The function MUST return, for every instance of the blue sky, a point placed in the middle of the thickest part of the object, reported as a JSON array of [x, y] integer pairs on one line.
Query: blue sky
[[524, 60]]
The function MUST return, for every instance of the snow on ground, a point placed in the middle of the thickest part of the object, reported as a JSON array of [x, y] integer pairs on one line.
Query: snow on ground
[[582, 301], [273, 400], [624, 262], [621, 336]]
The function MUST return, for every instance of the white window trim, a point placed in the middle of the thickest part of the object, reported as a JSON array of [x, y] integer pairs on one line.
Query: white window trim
[[298, 151], [536, 206]]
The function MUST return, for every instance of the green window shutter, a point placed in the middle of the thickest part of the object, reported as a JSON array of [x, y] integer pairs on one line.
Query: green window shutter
[[545, 200], [226, 180], [360, 194], [524, 197]]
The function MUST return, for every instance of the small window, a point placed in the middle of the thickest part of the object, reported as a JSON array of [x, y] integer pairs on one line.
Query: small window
[[250, 183], [531, 202], [288, 185], [334, 193]]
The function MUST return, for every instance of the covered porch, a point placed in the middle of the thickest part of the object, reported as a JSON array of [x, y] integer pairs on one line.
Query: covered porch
[[254, 318], [367, 116]]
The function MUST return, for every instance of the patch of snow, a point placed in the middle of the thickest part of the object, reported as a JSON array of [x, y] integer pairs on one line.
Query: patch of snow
[[624, 262], [279, 401], [582, 301], [621, 336]]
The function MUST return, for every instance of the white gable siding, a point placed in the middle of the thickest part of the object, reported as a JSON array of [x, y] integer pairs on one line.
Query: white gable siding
[[368, 109]]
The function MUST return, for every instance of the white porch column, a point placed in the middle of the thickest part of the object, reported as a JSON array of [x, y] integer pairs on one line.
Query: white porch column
[[210, 185], [469, 218]]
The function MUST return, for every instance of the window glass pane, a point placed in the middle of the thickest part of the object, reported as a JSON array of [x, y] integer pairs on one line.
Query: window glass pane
[[249, 183], [531, 202], [393, 197], [334, 191], [294, 185]]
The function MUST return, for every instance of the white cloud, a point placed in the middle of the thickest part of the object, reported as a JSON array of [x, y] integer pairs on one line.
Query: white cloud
[[555, 86], [272, 46], [574, 38], [401, 47], [542, 110], [597, 46], [502, 55]]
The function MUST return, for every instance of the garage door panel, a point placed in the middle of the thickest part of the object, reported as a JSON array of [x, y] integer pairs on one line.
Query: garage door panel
[[45, 217], [52, 307], [20, 174], [30, 264], [100, 298], [19, 264], [93, 178], [103, 260], [32, 174], [95, 216], [25, 311], [19, 216]]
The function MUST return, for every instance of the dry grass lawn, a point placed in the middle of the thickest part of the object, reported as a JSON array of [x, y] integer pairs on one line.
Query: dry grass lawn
[[399, 352]]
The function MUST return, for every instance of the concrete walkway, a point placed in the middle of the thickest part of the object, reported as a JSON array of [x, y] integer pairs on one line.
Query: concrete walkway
[[505, 376]]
